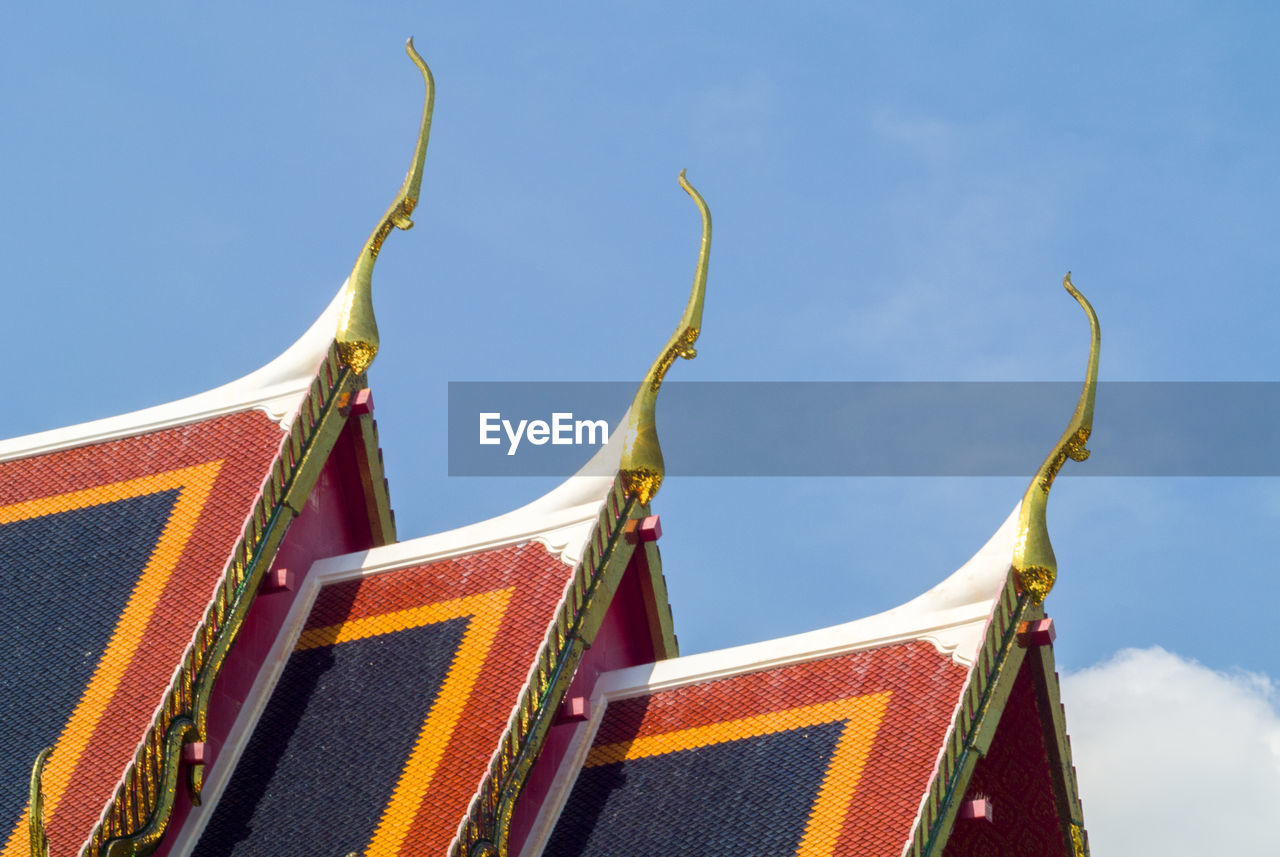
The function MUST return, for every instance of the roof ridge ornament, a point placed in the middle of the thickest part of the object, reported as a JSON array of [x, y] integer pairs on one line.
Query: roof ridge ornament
[[357, 335], [642, 466], [1034, 564], [35, 821]]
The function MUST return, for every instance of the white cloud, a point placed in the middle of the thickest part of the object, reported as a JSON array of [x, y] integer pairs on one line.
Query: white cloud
[[1174, 758]]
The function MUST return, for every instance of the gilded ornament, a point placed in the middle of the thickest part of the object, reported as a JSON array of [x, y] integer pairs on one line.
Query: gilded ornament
[[357, 336], [641, 482], [35, 825], [642, 465], [1036, 581], [1077, 840], [1034, 564]]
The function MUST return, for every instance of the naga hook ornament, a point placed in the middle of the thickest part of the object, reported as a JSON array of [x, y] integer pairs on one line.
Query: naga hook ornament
[[1034, 564], [642, 466], [357, 336]]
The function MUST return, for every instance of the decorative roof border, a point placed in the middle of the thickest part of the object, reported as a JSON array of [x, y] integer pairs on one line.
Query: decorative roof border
[[373, 477], [485, 830], [974, 726], [1060, 752], [133, 822]]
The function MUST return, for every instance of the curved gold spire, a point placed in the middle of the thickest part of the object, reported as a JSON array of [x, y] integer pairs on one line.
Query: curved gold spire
[[35, 823], [1033, 559], [357, 329], [642, 466]]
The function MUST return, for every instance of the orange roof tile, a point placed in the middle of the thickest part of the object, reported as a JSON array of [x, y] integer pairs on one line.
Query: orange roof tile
[[133, 535]]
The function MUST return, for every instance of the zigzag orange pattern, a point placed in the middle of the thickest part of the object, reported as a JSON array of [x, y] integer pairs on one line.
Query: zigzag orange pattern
[[194, 484]]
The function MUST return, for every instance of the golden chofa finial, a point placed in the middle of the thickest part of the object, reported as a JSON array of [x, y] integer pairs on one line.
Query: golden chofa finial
[[35, 822], [642, 466], [357, 329], [1033, 561]]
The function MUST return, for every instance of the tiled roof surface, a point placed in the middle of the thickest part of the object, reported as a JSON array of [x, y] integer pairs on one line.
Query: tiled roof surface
[[826, 757], [389, 708], [101, 548]]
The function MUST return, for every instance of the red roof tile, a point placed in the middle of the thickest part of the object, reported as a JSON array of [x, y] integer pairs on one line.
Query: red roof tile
[[896, 704], [212, 472], [506, 597]]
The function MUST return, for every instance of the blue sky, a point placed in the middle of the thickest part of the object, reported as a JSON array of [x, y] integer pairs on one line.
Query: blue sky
[[896, 192]]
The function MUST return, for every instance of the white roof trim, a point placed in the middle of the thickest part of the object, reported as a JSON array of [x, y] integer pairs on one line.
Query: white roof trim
[[563, 532], [560, 520], [584, 735], [952, 616], [276, 389]]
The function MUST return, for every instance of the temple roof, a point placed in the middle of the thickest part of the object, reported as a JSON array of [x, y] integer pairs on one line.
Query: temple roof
[[210, 623], [109, 554], [414, 689], [124, 541], [394, 676], [857, 739]]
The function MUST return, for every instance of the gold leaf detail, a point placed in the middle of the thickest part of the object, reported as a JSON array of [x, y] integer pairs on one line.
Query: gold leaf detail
[[642, 463], [1034, 563], [357, 335]]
